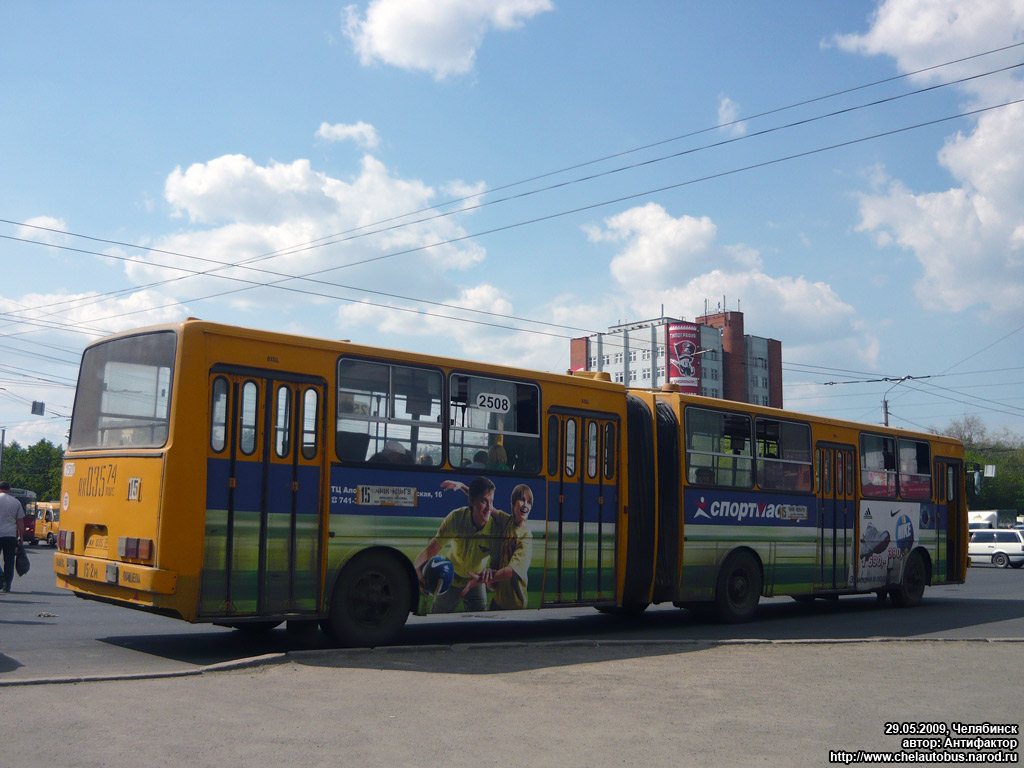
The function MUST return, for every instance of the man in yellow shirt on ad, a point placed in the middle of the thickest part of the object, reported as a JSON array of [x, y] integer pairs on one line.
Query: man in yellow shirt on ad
[[473, 535]]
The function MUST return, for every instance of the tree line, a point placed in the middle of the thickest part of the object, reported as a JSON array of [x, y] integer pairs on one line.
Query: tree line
[[37, 468], [1004, 451]]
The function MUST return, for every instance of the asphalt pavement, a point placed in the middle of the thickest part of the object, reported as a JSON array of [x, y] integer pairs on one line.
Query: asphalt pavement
[[635, 702]]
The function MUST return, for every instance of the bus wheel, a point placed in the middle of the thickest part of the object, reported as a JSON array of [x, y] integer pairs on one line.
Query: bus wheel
[[911, 587], [1000, 560], [371, 601], [738, 588]]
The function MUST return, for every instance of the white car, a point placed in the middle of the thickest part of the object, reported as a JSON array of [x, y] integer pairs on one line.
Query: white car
[[1001, 547]]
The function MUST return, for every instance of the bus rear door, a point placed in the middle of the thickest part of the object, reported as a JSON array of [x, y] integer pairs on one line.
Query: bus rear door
[[264, 495]]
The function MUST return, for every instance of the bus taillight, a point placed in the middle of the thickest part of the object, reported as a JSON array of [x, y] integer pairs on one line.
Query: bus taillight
[[66, 540], [131, 548]]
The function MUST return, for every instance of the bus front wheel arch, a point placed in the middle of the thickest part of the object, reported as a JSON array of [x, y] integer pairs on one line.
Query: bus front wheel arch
[[371, 601], [738, 588]]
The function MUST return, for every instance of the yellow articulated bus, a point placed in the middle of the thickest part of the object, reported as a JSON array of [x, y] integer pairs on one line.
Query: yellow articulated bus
[[245, 478]]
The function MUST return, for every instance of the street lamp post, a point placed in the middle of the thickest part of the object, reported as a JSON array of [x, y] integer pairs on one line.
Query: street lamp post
[[885, 401]]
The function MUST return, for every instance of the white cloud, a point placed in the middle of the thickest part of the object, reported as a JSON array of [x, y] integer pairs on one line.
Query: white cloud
[[921, 33], [440, 37], [43, 229], [966, 238], [363, 134], [677, 262], [94, 313], [316, 224], [728, 117]]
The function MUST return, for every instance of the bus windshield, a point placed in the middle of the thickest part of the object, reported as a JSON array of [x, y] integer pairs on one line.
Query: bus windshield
[[123, 396]]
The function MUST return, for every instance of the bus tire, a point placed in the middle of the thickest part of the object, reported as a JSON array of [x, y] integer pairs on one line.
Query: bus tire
[[51, 540], [910, 590], [371, 601], [1000, 560], [738, 588]]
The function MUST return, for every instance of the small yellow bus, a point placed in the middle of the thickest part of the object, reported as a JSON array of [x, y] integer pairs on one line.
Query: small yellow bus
[[47, 517]]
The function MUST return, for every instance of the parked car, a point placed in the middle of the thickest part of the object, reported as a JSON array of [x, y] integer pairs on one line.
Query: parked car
[[1001, 547]]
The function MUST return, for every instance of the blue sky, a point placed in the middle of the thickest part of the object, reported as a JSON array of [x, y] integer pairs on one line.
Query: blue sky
[[573, 165]]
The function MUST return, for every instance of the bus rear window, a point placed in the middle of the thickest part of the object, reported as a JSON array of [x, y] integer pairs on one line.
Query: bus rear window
[[124, 393]]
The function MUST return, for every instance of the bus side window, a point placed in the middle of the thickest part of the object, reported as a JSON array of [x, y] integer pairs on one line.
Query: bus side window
[[719, 448], [388, 414], [310, 423], [878, 466], [219, 415], [247, 415], [609, 451], [553, 436], [592, 449], [283, 422], [783, 455], [493, 423], [915, 469], [570, 447]]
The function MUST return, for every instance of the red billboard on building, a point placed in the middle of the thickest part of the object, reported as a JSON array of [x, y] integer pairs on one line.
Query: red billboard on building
[[682, 343]]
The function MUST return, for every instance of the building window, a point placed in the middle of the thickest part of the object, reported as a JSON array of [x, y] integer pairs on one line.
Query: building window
[[606, 359], [632, 355], [647, 354], [661, 353], [618, 377], [618, 358], [646, 375], [661, 372]]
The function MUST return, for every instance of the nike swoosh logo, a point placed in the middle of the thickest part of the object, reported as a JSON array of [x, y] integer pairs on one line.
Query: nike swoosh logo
[[893, 514]]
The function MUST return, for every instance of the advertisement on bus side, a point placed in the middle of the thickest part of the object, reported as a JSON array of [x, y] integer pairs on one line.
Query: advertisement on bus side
[[477, 541], [747, 508], [889, 530]]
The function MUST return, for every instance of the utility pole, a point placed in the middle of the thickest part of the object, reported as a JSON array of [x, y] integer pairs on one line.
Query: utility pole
[[885, 401]]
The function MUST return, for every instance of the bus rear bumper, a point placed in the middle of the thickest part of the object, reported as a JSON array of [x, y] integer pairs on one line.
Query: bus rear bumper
[[88, 573]]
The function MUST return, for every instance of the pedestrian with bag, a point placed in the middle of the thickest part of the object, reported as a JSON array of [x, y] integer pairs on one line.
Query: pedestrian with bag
[[12, 529]]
